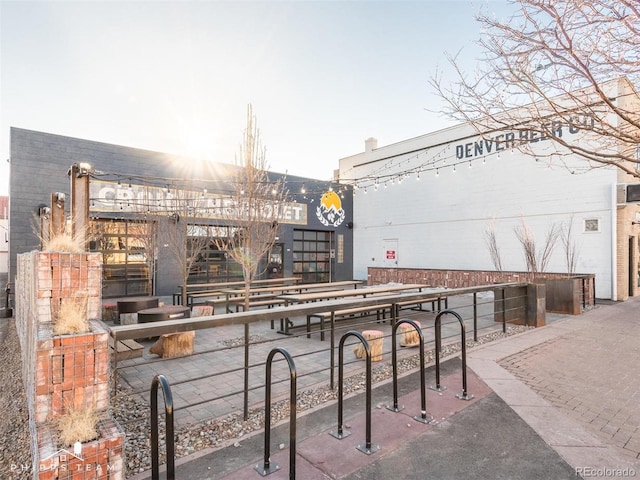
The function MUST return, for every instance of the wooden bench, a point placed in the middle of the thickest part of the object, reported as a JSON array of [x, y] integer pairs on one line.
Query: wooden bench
[[417, 304], [260, 303], [199, 290], [127, 349], [206, 295], [341, 314]]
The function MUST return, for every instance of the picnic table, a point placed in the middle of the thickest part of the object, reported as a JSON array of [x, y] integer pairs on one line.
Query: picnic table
[[193, 290], [268, 296], [305, 297]]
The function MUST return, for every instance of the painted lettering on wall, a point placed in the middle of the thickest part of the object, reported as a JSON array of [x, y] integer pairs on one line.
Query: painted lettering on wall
[[509, 140]]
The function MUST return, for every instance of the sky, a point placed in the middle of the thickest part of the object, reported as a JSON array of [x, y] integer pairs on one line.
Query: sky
[[177, 76]]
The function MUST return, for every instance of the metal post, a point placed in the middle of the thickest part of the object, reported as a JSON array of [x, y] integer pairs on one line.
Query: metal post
[[168, 409], [424, 417], [438, 333], [246, 371], [367, 448], [268, 467], [333, 350], [475, 316], [79, 175]]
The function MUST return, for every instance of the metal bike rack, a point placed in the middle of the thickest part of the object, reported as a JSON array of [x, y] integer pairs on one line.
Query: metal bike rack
[[438, 331], [424, 417], [367, 448], [168, 410], [268, 467]]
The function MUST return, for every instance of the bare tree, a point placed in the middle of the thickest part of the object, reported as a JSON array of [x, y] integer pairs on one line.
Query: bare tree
[[554, 68], [142, 231], [492, 244], [254, 207], [186, 236], [571, 250]]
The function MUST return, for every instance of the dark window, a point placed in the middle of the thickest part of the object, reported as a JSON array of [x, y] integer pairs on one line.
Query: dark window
[[311, 255]]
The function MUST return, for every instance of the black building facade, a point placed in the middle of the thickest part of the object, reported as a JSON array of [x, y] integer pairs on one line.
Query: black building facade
[[132, 197]]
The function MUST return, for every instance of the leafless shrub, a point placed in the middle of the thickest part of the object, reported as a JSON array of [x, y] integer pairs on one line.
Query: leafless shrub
[[536, 260], [571, 250], [492, 244]]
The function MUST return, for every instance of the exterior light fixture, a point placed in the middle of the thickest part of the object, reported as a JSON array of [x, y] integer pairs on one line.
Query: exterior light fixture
[[59, 198], [44, 211]]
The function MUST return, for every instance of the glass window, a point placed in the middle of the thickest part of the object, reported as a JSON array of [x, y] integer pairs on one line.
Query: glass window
[[127, 248], [311, 256]]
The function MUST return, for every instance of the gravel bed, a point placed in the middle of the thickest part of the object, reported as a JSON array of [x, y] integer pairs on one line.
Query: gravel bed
[[132, 413], [15, 454]]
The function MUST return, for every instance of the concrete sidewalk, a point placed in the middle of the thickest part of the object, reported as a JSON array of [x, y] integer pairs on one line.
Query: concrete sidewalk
[[555, 402]]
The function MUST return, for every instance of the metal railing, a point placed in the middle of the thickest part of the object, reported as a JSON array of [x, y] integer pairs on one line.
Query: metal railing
[[230, 365]]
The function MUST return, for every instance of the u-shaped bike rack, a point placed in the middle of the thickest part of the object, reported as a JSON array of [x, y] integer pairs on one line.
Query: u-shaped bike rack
[[424, 416], [268, 467], [168, 409], [367, 448], [438, 332]]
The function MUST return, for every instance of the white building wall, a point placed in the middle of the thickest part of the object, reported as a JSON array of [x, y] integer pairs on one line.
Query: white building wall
[[440, 220]]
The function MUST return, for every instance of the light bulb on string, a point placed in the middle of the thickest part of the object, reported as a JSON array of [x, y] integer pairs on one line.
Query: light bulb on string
[[454, 168], [437, 172]]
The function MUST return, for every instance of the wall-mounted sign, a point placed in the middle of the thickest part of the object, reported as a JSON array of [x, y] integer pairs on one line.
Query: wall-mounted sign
[[111, 197], [330, 212], [391, 254]]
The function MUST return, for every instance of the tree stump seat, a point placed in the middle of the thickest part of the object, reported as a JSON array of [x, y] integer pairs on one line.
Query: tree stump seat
[[375, 338], [409, 336], [171, 345]]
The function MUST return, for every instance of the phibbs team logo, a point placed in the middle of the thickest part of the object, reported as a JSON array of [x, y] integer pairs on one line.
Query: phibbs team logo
[[330, 212]]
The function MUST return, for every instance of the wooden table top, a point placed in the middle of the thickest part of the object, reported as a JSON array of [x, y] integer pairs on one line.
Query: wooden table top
[[327, 286], [364, 292]]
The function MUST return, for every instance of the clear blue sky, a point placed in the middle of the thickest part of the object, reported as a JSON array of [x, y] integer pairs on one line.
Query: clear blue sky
[[177, 76]]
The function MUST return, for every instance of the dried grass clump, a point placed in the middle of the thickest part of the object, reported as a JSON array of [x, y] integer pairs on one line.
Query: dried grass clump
[[64, 242], [78, 425], [71, 317]]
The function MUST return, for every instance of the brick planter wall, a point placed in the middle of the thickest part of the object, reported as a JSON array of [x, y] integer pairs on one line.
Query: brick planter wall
[[98, 459], [475, 278], [61, 372]]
